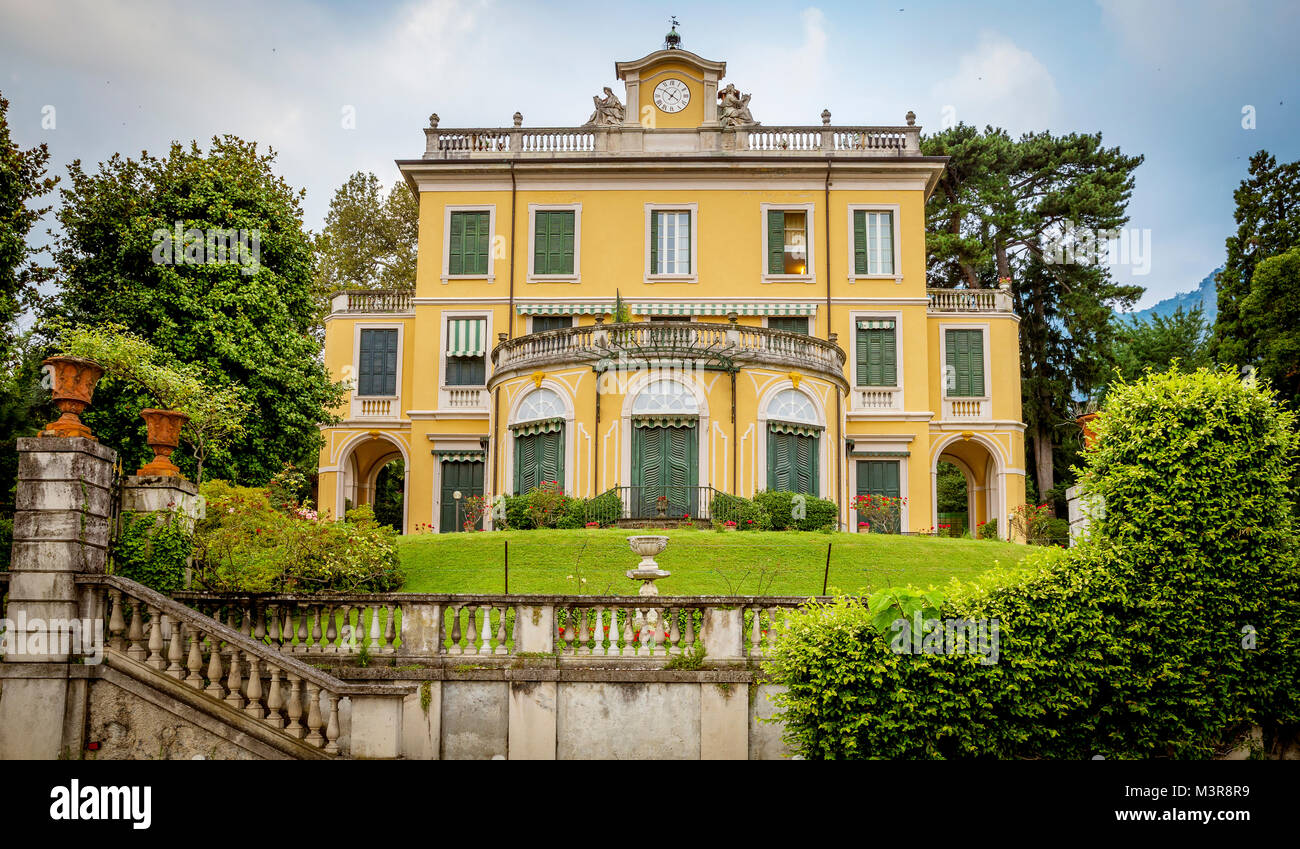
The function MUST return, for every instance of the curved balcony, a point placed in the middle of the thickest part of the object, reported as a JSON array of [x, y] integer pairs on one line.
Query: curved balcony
[[702, 344]]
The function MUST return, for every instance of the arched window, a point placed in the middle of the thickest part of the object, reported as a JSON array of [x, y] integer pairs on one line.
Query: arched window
[[665, 398], [540, 404], [793, 438]]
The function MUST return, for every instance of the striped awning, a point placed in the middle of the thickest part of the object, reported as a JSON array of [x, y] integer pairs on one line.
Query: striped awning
[[664, 421], [537, 426], [875, 324], [466, 337], [565, 309], [801, 428], [683, 308], [462, 456]]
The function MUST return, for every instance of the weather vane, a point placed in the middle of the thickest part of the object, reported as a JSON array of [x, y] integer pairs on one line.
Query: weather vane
[[672, 41]]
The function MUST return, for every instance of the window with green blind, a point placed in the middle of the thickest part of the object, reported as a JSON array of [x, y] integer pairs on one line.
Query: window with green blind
[[377, 369], [670, 242], [873, 242], [877, 353], [553, 241], [468, 243], [792, 462], [787, 241], [964, 365], [790, 324], [539, 457], [466, 371], [543, 323]]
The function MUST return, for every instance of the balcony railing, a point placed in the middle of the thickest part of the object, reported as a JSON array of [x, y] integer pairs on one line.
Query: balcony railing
[[372, 301], [633, 140], [705, 343], [969, 300]]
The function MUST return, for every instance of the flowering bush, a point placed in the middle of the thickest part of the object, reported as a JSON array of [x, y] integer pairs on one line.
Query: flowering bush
[[987, 530], [247, 543], [1038, 526], [880, 513], [547, 504]]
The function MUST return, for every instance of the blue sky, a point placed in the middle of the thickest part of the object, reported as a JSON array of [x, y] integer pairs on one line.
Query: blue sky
[[1162, 78]]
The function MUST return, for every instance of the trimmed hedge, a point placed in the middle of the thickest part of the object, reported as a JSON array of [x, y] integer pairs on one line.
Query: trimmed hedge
[[747, 515], [778, 511], [1171, 630]]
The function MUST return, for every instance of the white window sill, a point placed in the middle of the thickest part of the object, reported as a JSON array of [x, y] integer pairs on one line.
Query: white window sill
[[854, 278], [553, 278], [490, 278], [789, 278], [672, 278]]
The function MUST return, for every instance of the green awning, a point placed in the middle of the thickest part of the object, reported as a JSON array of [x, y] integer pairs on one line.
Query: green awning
[[462, 456], [465, 337], [875, 324], [803, 429], [565, 309], [664, 421], [537, 426], [722, 308]]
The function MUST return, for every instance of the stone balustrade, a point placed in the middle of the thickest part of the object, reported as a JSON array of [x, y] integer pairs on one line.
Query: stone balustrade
[[969, 300], [413, 626], [373, 301]]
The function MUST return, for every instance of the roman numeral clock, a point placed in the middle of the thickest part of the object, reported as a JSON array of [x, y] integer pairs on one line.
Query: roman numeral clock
[[672, 95]]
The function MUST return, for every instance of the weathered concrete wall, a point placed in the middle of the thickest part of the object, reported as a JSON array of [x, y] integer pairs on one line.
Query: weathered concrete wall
[[129, 728], [475, 719], [765, 742], [606, 721]]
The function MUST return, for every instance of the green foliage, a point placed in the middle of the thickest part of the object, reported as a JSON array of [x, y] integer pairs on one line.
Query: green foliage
[[1037, 526], [1271, 315], [389, 495], [250, 543], [951, 488], [605, 509], [369, 240], [251, 324], [989, 529], [688, 660], [747, 515], [778, 511], [154, 549], [1137, 643], [1156, 343], [288, 490], [879, 514]]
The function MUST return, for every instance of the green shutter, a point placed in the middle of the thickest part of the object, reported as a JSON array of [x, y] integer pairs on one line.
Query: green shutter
[[775, 241], [481, 247], [976, 363], [965, 355], [541, 230], [654, 242], [878, 477], [553, 243], [456, 250], [859, 242], [377, 363], [877, 356], [861, 358], [889, 368]]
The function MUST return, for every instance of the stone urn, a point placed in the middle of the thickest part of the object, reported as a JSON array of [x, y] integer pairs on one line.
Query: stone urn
[[164, 434], [647, 571], [1085, 424], [73, 387]]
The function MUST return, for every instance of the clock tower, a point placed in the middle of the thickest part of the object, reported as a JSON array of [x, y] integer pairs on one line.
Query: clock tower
[[671, 89]]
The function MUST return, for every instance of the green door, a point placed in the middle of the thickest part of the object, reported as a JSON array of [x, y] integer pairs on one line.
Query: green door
[[792, 462], [880, 477], [465, 476], [665, 464], [539, 457]]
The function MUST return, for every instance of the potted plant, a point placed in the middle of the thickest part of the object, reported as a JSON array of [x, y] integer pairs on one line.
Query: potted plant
[[73, 386]]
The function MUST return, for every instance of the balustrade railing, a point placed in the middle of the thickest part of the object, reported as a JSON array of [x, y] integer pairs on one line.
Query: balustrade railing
[[374, 301], [969, 300], [226, 664]]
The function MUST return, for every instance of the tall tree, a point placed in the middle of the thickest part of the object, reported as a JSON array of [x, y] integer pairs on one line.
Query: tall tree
[[1156, 342], [369, 240], [23, 180], [1268, 224], [204, 255], [1270, 315], [999, 211]]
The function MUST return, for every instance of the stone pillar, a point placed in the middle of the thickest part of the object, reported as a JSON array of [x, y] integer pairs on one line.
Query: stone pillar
[[162, 494], [60, 531], [377, 727], [535, 629], [1084, 509], [723, 633]]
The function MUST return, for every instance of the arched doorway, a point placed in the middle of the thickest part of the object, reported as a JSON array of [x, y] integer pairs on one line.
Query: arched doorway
[[978, 460], [665, 418], [375, 467], [954, 487]]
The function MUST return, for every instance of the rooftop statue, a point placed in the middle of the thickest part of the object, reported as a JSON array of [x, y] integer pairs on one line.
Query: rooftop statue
[[733, 107], [609, 110]]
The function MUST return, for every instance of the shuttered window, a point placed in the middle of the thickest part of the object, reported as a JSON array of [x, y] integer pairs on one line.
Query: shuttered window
[[468, 243], [877, 353], [878, 477], [792, 462], [553, 242], [539, 457], [790, 324], [377, 369], [964, 366], [543, 323], [787, 242], [466, 371], [873, 242], [670, 242]]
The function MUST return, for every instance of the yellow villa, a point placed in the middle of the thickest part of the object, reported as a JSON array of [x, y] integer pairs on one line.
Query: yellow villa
[[670, 301]]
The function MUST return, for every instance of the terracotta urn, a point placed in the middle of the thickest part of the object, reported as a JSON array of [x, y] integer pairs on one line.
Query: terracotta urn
[[1085, 422], [164, 434], [74, 386]]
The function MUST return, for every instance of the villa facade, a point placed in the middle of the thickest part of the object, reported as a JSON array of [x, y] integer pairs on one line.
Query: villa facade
[[674, 300]]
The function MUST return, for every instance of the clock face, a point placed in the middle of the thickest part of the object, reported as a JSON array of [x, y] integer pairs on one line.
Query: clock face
[[672, 95]]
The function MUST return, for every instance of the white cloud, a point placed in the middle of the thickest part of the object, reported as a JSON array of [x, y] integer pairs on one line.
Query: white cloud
[[784, 77], [1001, 84]]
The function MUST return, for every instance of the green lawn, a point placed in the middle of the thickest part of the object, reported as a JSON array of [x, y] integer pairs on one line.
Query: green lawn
[[703, 562]]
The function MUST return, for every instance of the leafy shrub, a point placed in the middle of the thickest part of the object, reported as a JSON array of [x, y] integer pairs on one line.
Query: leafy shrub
[[747, 515], [547, 504], [1172, 628], [154, 549], [247, 544], [988, 530], [778, 511], [605, 509], [517, 516], [1037, 525], [881, 514]]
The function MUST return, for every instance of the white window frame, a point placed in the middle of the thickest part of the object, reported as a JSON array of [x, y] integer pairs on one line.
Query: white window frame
[[491, 210], [444, 320], [894, 208], [944, 327], [356, 356], [573, 320], [807, 209], [651, 276], [866, 315], [576, 209]]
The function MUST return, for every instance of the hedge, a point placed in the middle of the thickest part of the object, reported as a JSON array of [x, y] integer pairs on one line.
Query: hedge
[[778, 511], [1171, 630]]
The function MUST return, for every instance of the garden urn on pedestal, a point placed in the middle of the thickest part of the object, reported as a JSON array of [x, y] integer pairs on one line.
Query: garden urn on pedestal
[[164, 434], [73, 386], [648, 571]]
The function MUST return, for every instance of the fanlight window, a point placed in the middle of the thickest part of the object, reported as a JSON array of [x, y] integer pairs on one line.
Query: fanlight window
[[791, 405], [541, 404], [665, 397]]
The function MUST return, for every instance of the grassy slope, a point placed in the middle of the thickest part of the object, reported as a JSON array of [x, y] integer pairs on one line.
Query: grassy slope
[[702, 562]]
